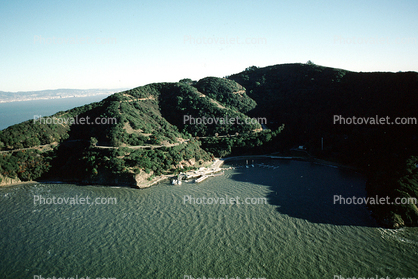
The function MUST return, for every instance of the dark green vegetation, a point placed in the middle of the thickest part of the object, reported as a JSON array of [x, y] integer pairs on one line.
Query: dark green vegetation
[[178, 100], [306, 97], [227, 92], [145, 136], [299, 101]]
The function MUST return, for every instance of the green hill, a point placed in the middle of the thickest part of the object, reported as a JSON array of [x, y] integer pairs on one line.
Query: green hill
[[144, 136], [165, 128], [307, 97]]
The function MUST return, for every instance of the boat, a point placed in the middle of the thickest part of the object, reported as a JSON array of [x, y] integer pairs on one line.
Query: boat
[[176, 182]]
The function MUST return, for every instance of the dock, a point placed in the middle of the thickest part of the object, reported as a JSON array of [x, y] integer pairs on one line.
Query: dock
[[201, 174], [203, 177], [214, 168]]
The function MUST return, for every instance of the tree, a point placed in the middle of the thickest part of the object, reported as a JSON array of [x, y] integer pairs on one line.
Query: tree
[[252, 68], [94, 172], [93, 141], [186, 81]]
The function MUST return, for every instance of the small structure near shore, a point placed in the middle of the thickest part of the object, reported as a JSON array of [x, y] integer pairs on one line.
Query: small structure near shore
[[200, 174], [200, 179]]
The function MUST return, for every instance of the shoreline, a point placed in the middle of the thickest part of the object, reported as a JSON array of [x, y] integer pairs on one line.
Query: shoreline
[[50, 98], [295, 158], [220, 161], [158, 179], [20, 183]]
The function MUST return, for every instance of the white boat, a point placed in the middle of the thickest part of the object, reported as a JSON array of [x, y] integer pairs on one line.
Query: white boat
[[176, 182]]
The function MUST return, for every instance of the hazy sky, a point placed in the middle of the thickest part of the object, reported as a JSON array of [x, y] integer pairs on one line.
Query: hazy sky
[[115, 44]]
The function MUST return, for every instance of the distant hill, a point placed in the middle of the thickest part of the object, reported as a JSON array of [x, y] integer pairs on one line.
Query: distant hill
[[6, 97], [152, 132]]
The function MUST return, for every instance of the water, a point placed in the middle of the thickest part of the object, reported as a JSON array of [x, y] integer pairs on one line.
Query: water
[[17, 112], [152, 233]]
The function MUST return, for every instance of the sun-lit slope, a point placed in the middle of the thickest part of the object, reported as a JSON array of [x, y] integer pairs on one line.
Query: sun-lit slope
[[181, 103], [226, 91], [129, 133]]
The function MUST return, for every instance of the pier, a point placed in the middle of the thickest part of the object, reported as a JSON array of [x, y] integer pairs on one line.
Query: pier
[[203, 177], [201, 174]]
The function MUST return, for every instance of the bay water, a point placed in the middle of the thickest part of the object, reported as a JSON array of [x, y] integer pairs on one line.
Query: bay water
[[17, 112], [284, 225]]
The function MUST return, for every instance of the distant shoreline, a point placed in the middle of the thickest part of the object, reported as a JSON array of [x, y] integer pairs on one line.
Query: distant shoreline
[[52, 98]]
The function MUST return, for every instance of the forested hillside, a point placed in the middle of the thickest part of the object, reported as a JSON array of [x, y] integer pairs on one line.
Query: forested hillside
[[307, 97], [146, 137], [152, 130]]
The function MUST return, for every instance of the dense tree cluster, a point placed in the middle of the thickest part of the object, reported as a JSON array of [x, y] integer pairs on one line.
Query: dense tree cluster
[[28, 134], [227, 92], [179, 101], [25, 164]]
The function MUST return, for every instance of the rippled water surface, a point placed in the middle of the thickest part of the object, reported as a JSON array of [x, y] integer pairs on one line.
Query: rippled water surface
[[153, 233]]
